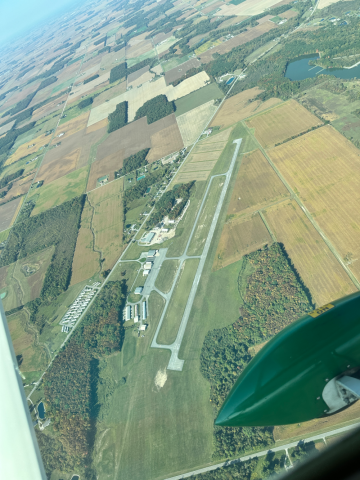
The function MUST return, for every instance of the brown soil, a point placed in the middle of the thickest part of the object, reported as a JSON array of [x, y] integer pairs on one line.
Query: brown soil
[[134, 76], [180, 70], [57, 168], [7, 212]]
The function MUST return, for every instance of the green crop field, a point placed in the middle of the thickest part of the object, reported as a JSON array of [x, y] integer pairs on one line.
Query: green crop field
[[166, 275], [197, 98], [174, 62], [133, 61], [63, 85], [175, 310]]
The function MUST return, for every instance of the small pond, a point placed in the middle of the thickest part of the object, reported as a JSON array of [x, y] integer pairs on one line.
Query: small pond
[[41, 410], [300, 69], [230, 80]]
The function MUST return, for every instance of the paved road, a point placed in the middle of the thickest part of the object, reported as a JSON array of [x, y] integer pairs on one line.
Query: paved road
[[322, 436], [151, 278], [175, 363]]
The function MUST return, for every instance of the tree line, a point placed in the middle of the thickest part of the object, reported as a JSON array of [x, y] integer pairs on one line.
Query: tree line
[[155, 109]]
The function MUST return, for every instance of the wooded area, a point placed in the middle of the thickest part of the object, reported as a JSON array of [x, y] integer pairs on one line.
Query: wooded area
[[155, 109], [168, 206], [133, 162], [119, 117]]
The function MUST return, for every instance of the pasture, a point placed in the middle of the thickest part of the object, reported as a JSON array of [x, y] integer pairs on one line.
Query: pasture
[[8, 213], [169, 328], [22, 281], [192, 123], [239, 237], [281, 123], [322, 167], [256, 186], [317, 266], [59, 191], [86, 261], [197, 98], [34, 356], [107, 221]]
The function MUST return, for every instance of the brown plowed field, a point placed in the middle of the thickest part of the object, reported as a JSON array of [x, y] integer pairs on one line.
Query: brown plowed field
[[239, 238], [97, 126], [81, 140], [180, 70], [134, 76], [20, 187], [85, 261], [317, 266], [163, 137], [236, 108], [7, 212], [108, 221], [324, 167], [139, 49], [282, 123], [256, 186], [237, 40], [57, 168]]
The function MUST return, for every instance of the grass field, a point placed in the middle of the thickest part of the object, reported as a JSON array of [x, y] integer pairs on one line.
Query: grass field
[[4, 235], [192, 123], [85, 261], [203, 226], [256, 185], [239, 237], [108, 221], [317, 266], [169, 328], [322, 168], [34, 357], [281, 123], [166, 275], [59, 191], [197, 98], [20, 287]]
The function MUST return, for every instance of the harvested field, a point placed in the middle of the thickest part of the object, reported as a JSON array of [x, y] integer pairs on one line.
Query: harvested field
[[134, 76], [108, 221], [19, 283], [137, 97], [239, 237], [290, 14], [164, 142], [179, 71], [82, 140], [112, 92], [282, 122], [157, 69], [317, 266], [34, 357], [322, 166], [139, 49], [8, 211], [326, 3], [145, 77], [192, 123], [236, 108], [198, 167], [49, 108], [5, 128], [97, 126], [27, 149], [50, 171], [203, 157], [212, 7], [189, 176], [256, 186], [238, 40], [84, 89], [247, 8], [71, 127], [86, 262], [59, 191], [20, 187]]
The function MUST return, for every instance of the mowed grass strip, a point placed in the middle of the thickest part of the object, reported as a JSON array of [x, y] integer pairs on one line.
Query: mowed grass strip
[[239, 238], [179, 298], [166, 275], [256, 185], [206, 216], [317, 266], [86, 260], [192, 123], [323, 168], [281, 123]]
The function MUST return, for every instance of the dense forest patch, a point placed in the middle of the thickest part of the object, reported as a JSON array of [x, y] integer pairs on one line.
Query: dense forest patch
[[119, 117], [155, 109], [274, 297]]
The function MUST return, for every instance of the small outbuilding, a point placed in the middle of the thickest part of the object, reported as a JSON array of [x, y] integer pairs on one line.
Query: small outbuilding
[[138, 290]]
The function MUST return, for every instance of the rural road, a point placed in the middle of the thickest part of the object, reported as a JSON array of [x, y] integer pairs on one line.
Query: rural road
[[265, 452], [175, 363]]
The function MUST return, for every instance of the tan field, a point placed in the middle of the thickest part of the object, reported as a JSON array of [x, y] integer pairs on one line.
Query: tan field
[[326, 3], [71, 127], [28, 148], [108, 221], [110, 93], [236, 108], [323, 167], [209, 147], [317, 266], [203, 157], [197, 167], [189, 176], [164, 142], [20, 187], [8, 213], [247, 8], [256, 186], [97, 126], [50, 171], [240, 237], [282, 123], [145, 77], [83, 89], [139, 49], [85, 261], [192, 123], [137, 97]]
